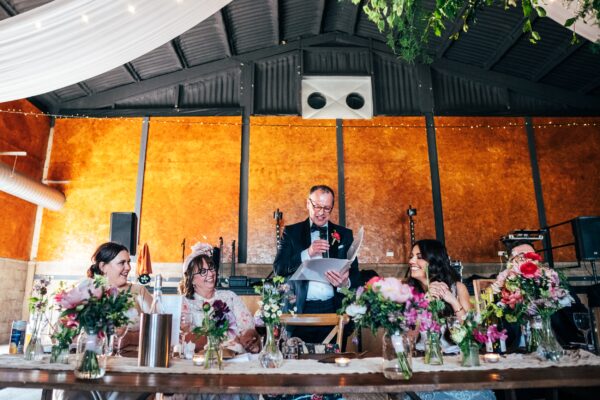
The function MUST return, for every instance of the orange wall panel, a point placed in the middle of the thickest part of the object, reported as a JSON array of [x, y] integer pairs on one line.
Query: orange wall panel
[[570, 174], [486, 183], [288, 155], [19, 132], [99, 159], [386, 169], [191, 184]]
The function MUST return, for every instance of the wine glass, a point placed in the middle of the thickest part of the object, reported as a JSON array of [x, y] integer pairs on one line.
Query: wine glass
[[582, 322], [119, 335]]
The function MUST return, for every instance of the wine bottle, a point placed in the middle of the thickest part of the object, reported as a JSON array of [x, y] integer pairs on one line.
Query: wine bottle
[[157, 304]]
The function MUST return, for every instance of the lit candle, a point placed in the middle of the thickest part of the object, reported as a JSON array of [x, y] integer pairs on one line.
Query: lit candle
[[342, 361], [198, 359], [491, 357]]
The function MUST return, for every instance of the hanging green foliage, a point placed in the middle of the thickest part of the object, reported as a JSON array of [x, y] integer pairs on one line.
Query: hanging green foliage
[[406, 25]]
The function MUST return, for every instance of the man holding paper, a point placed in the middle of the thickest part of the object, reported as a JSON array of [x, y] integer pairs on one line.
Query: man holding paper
[[316, 283]]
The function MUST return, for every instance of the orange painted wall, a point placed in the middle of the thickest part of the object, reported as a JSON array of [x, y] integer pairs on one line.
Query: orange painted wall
[[387, 169], [569, 165], [99, 158], [20, 133], [486, 183], [288, 155], [191, 184]]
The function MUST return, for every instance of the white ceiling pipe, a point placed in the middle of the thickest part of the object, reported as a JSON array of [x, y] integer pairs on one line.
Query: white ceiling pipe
[[29, 190]]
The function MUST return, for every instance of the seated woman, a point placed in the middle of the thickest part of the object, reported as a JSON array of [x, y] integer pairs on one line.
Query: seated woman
[[199, 286], [113, 261], [444, 284]]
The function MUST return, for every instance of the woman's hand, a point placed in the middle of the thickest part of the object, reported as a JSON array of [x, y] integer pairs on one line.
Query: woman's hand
[[250, 340], [440, 290]]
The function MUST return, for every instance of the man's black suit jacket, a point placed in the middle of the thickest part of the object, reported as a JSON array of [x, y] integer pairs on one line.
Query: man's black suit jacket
[[294, 240]]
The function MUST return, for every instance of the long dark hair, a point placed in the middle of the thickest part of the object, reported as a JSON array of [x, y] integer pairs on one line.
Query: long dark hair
[[186, 287], [105, 253], [434, 252]]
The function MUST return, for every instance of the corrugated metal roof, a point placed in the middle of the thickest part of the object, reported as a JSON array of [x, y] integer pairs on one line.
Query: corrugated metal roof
[[206, 42], [276, 88], [345, 61], [524, 59], [157, 99], [300, 18], [159, 61], [22, 6], [253, 24], [115, 77], [340, 16], [217, 90], [70, 92], [577, 71], [395, 87]]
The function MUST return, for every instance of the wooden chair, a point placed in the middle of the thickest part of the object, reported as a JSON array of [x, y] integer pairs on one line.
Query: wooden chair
[[337, 321], [480, 286]]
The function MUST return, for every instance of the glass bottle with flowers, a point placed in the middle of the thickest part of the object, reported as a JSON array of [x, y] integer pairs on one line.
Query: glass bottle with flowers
[[38, 304], [528, 291], [431, 326], [91, 309], [273, 300], [467, 334], [394, 306], [217, 320]]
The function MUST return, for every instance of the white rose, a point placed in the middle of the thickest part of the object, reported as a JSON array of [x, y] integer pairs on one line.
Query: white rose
[[279, 313], [355, 310], [267, 307]]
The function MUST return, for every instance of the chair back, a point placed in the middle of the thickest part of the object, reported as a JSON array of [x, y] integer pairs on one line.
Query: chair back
[[480, 286], [337, 321]]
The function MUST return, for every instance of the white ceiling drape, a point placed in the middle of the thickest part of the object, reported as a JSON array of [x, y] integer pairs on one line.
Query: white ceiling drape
[[68, 41]]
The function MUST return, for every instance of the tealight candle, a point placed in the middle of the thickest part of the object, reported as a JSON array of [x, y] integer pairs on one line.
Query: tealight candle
[[491, 357], [342, 361], [198, 359]]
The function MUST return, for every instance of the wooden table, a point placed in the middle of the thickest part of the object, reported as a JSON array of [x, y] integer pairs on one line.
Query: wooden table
[[291, 384]]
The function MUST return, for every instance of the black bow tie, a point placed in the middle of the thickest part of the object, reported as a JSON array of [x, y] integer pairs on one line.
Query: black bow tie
[[322, 230]]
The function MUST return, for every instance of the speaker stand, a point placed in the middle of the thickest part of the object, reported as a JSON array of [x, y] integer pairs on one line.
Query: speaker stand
[[594, 274]]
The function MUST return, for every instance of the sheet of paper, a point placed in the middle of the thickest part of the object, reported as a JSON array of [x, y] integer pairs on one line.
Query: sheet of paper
[[314, 269]]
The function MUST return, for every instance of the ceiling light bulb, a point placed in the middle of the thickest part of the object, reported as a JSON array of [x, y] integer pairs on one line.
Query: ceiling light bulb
[[131, 9], [38, 25], [85, 18]]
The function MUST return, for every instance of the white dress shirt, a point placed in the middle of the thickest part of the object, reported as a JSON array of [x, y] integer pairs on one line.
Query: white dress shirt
[[316, 290]]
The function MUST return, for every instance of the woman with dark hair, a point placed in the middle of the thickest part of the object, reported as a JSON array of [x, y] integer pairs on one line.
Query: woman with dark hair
[[199, 286], [112, 260], [430, 270]]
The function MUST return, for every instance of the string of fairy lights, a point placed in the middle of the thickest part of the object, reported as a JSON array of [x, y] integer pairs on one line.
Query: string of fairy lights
[[194, 120]]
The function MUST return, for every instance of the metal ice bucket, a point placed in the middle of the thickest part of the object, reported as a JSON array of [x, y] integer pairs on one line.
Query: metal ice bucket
[[155, 340]]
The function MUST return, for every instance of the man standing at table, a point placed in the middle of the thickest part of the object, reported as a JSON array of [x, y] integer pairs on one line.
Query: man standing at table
[[316, 237]]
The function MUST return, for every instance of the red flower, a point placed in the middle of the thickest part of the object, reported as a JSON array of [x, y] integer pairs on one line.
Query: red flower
[[335, 237], [533, 256], [372, 281], [528, 269]]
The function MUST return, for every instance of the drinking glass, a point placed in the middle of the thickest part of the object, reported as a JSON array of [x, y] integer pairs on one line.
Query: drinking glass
[[582, 322], [119, 335]]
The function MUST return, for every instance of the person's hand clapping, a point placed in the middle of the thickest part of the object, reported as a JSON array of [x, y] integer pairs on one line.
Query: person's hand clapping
[[337, 279], [319, 246]]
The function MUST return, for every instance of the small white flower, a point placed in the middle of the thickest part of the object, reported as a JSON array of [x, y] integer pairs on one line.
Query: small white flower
[[267, 307], [279, 313]]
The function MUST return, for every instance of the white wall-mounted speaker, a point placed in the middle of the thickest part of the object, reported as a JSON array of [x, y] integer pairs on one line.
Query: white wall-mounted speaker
[[332, 97]]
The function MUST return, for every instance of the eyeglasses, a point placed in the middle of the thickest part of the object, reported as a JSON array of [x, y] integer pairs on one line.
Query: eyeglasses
[[517, 257], [327, 210], [204, 271]]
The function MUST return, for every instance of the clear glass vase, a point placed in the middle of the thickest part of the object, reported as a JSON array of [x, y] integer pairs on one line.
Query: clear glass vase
[[34, 349], [91, 356], [470, 355], [548, 347], [59, 355], [433, 349], [270, 355], [397, 356], [213, 355]]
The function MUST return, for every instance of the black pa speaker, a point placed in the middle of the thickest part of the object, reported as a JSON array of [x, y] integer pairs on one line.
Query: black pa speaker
[[123, 230], [587, 237]]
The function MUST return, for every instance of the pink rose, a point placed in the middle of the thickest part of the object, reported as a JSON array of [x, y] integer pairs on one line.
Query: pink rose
[[533, 256], [371, 281], [529, 270], [393, 289]]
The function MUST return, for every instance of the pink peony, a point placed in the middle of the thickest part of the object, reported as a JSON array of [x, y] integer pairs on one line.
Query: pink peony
[[529, 270], [511, 299], [479, 337], [393, 289], [80, 294]]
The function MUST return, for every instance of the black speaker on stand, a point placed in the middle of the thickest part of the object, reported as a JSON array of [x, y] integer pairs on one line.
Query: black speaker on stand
[[123, 230], [587, 240]]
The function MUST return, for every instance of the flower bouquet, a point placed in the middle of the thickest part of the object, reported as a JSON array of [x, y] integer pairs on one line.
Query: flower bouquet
[[217, 321], [92, 309], [274, 297], [529, 291], [469, 338], [394, 306], [38, 304]]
